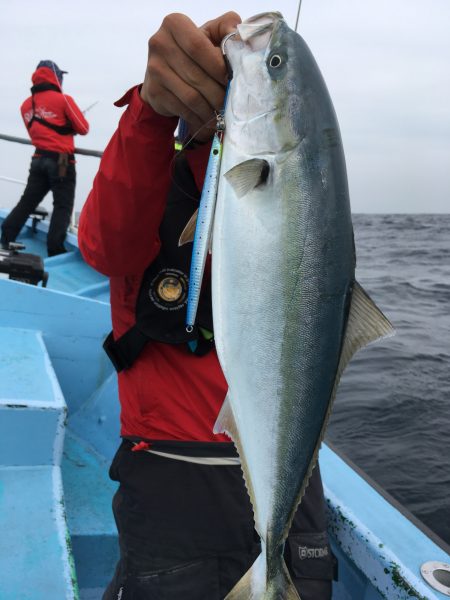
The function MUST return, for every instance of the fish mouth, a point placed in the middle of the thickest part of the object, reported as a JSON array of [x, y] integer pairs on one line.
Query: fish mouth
[[258, 25], [256, 31], [252, 101]]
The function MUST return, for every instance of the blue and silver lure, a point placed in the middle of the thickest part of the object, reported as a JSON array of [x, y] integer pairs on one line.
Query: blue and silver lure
[[205, 219]]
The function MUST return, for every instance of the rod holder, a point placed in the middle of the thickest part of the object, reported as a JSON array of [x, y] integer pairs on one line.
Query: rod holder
[[437, 574]]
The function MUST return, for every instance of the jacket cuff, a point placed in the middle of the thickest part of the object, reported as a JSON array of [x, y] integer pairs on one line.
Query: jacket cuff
[[141, 111]]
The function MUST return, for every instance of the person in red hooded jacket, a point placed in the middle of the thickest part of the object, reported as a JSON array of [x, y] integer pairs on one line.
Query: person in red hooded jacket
[[52, 119], [183, 514]]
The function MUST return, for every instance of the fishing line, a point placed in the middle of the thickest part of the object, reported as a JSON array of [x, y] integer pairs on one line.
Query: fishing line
[[183, 149], [219, 115], [184, 145]]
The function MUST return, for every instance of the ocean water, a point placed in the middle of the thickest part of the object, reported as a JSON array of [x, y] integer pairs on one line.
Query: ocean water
[[392, 412]]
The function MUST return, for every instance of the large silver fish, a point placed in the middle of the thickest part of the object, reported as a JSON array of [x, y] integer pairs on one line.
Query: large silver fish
[[288, 313]]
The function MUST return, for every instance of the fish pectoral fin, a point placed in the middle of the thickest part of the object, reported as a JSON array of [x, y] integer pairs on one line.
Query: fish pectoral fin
[[248, 175], [188, 233], [366, 323]]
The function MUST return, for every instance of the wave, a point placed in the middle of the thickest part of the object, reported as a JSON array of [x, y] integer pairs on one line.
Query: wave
[[392, 411]]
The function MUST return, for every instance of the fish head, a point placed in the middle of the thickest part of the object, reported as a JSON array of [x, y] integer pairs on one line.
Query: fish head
[[262, 107]]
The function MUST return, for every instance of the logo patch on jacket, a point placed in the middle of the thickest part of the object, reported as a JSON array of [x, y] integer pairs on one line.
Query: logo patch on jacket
[[41, 112], [169, 289]]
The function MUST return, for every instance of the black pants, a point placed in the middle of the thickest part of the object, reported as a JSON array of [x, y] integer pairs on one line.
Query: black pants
[[42, 178], [186, 532]]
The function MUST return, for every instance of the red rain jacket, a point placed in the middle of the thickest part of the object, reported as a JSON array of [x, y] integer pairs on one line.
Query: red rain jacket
[[168, 393], [56, 108]]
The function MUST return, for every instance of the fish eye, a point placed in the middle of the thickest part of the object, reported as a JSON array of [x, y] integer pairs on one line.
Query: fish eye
[[275, 61]]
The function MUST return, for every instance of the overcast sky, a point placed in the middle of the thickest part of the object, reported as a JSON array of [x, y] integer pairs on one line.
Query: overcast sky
[[386, 63]]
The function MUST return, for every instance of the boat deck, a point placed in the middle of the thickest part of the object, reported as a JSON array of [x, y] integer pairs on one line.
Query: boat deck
[[59, 429]]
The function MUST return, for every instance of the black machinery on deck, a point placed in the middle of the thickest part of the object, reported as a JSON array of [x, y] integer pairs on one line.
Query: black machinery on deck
[[20, 266]]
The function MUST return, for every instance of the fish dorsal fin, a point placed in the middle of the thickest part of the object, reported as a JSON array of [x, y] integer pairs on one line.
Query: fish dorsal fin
[[366, 323], [188, 233], [247, 175]]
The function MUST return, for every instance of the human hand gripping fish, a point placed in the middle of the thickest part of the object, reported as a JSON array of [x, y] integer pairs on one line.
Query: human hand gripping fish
[[186, 75]]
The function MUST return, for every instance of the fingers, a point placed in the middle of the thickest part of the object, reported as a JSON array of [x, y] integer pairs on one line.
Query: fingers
[[218, 28], [186, 73], [200, 68], [176, 98], [197, 47]]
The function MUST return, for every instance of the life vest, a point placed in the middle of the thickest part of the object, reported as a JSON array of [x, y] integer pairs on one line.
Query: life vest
[[61, 129], [162, 299]]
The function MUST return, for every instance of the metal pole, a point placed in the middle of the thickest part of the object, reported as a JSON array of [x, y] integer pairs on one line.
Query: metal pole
[[3, 178], [19, 140]]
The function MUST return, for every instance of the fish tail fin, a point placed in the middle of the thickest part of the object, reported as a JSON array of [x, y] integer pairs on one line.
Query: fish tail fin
[[254, 585]]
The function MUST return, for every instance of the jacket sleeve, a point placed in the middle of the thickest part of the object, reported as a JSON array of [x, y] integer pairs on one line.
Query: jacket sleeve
[[26, 111], [119, 223], [75, 116]]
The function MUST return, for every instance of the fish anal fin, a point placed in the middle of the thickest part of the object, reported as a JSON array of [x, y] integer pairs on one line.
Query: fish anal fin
[[247, 175], [188, 233], [365, 324], [226, 423]]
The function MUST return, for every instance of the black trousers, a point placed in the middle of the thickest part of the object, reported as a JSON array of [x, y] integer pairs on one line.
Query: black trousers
[[186, 532], [42, 178]]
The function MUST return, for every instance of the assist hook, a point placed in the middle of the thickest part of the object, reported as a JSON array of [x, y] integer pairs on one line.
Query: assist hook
[[222, 46]]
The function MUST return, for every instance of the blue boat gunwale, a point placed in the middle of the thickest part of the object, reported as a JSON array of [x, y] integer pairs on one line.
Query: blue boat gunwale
[[420, 525]]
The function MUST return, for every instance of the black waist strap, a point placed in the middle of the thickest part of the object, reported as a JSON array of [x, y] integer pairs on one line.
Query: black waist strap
[[200, 449], [51, 154], [125, 350], [61, 129]]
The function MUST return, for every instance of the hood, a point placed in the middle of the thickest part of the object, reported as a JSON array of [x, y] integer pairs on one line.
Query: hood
[[45, 75]]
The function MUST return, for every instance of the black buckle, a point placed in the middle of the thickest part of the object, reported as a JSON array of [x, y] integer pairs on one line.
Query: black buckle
[[125, 350], [114, 354]]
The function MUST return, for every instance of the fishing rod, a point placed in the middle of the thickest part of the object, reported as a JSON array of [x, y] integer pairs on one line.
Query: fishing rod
[[298, 14], [68, 105], [89, 107], [20, 140]]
